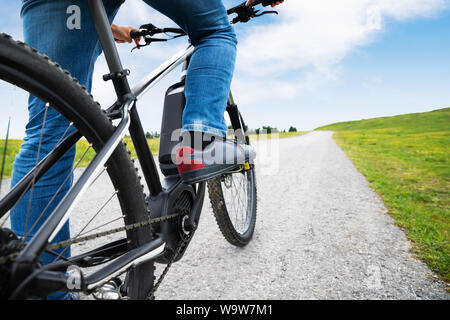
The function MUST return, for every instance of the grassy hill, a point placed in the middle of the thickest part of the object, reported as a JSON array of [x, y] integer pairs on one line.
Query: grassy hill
[[434, 121], [406, 159]]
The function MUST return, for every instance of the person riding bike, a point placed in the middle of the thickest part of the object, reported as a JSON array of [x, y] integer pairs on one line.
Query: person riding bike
[[76, 48]]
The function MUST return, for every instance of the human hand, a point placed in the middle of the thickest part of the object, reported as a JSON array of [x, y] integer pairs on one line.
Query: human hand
[[122, 34], [249, 2]]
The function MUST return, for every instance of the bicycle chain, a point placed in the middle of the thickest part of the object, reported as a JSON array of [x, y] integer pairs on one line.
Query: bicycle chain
[[151, 296], [12, 257], [110, 232], [127, 228]]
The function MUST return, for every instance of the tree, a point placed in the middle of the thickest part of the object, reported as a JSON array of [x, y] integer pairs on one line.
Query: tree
[[270, 130], [292, 129], [152, 135]]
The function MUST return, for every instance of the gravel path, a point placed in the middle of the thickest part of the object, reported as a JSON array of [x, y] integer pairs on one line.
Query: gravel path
[[321, 233]]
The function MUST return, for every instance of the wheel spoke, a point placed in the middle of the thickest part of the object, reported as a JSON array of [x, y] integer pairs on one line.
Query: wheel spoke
[[239, 210], [11, 107], [27, 188], [101, 226], [236, 194], [4, 155], [59, 189], [89, 222], [37, 161]]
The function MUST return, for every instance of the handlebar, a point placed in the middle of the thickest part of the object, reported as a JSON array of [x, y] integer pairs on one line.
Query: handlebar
[[135, 34], [151, 30], [246, 13]]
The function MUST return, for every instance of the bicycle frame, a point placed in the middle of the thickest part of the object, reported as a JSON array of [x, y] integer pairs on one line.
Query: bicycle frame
[[48, 280]]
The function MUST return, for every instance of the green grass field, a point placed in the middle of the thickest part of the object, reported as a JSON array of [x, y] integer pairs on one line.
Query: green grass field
[[406, 159], [11, 152], [82, 153]]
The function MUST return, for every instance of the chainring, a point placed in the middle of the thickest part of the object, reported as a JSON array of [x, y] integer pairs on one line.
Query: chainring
[[9, 244]]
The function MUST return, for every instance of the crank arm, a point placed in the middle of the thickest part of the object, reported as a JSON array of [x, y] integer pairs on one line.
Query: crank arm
[[145, 253], [191, 223]]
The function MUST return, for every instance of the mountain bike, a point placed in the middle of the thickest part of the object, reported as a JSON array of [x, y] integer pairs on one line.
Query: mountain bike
[[149, 229]]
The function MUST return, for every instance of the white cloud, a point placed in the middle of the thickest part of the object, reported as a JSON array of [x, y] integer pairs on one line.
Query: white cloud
[[319, 34]]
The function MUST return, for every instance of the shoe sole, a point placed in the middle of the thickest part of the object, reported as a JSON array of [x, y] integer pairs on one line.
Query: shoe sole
[[206, 174]]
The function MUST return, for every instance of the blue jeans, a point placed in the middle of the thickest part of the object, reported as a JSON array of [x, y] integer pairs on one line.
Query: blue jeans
[[45, 28]]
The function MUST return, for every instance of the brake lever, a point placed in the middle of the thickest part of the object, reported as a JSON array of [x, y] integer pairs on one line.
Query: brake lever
[[245, 14], [140, 46], [266, 12], [148, 41]]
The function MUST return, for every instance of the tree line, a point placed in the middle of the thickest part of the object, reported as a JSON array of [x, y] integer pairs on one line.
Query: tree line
[[257, 131], [270, 130]]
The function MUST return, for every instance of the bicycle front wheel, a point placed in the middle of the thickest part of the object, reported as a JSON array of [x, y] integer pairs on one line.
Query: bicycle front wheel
[[23, 68]]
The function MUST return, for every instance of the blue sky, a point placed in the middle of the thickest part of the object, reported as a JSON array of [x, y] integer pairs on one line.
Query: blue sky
[[318, 62]]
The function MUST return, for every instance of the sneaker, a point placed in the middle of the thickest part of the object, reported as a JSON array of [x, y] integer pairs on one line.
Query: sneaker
[[215, 159]]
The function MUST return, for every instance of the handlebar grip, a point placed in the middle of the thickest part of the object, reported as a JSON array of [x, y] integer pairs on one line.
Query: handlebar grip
[[266, 3], [135, 34]]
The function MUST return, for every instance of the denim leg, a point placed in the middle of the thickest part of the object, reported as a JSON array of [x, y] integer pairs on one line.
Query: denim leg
[[211, 68], [45, 28]]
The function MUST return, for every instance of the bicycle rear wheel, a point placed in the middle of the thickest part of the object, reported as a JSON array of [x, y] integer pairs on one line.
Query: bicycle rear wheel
[[23, 67], [233, 197]]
